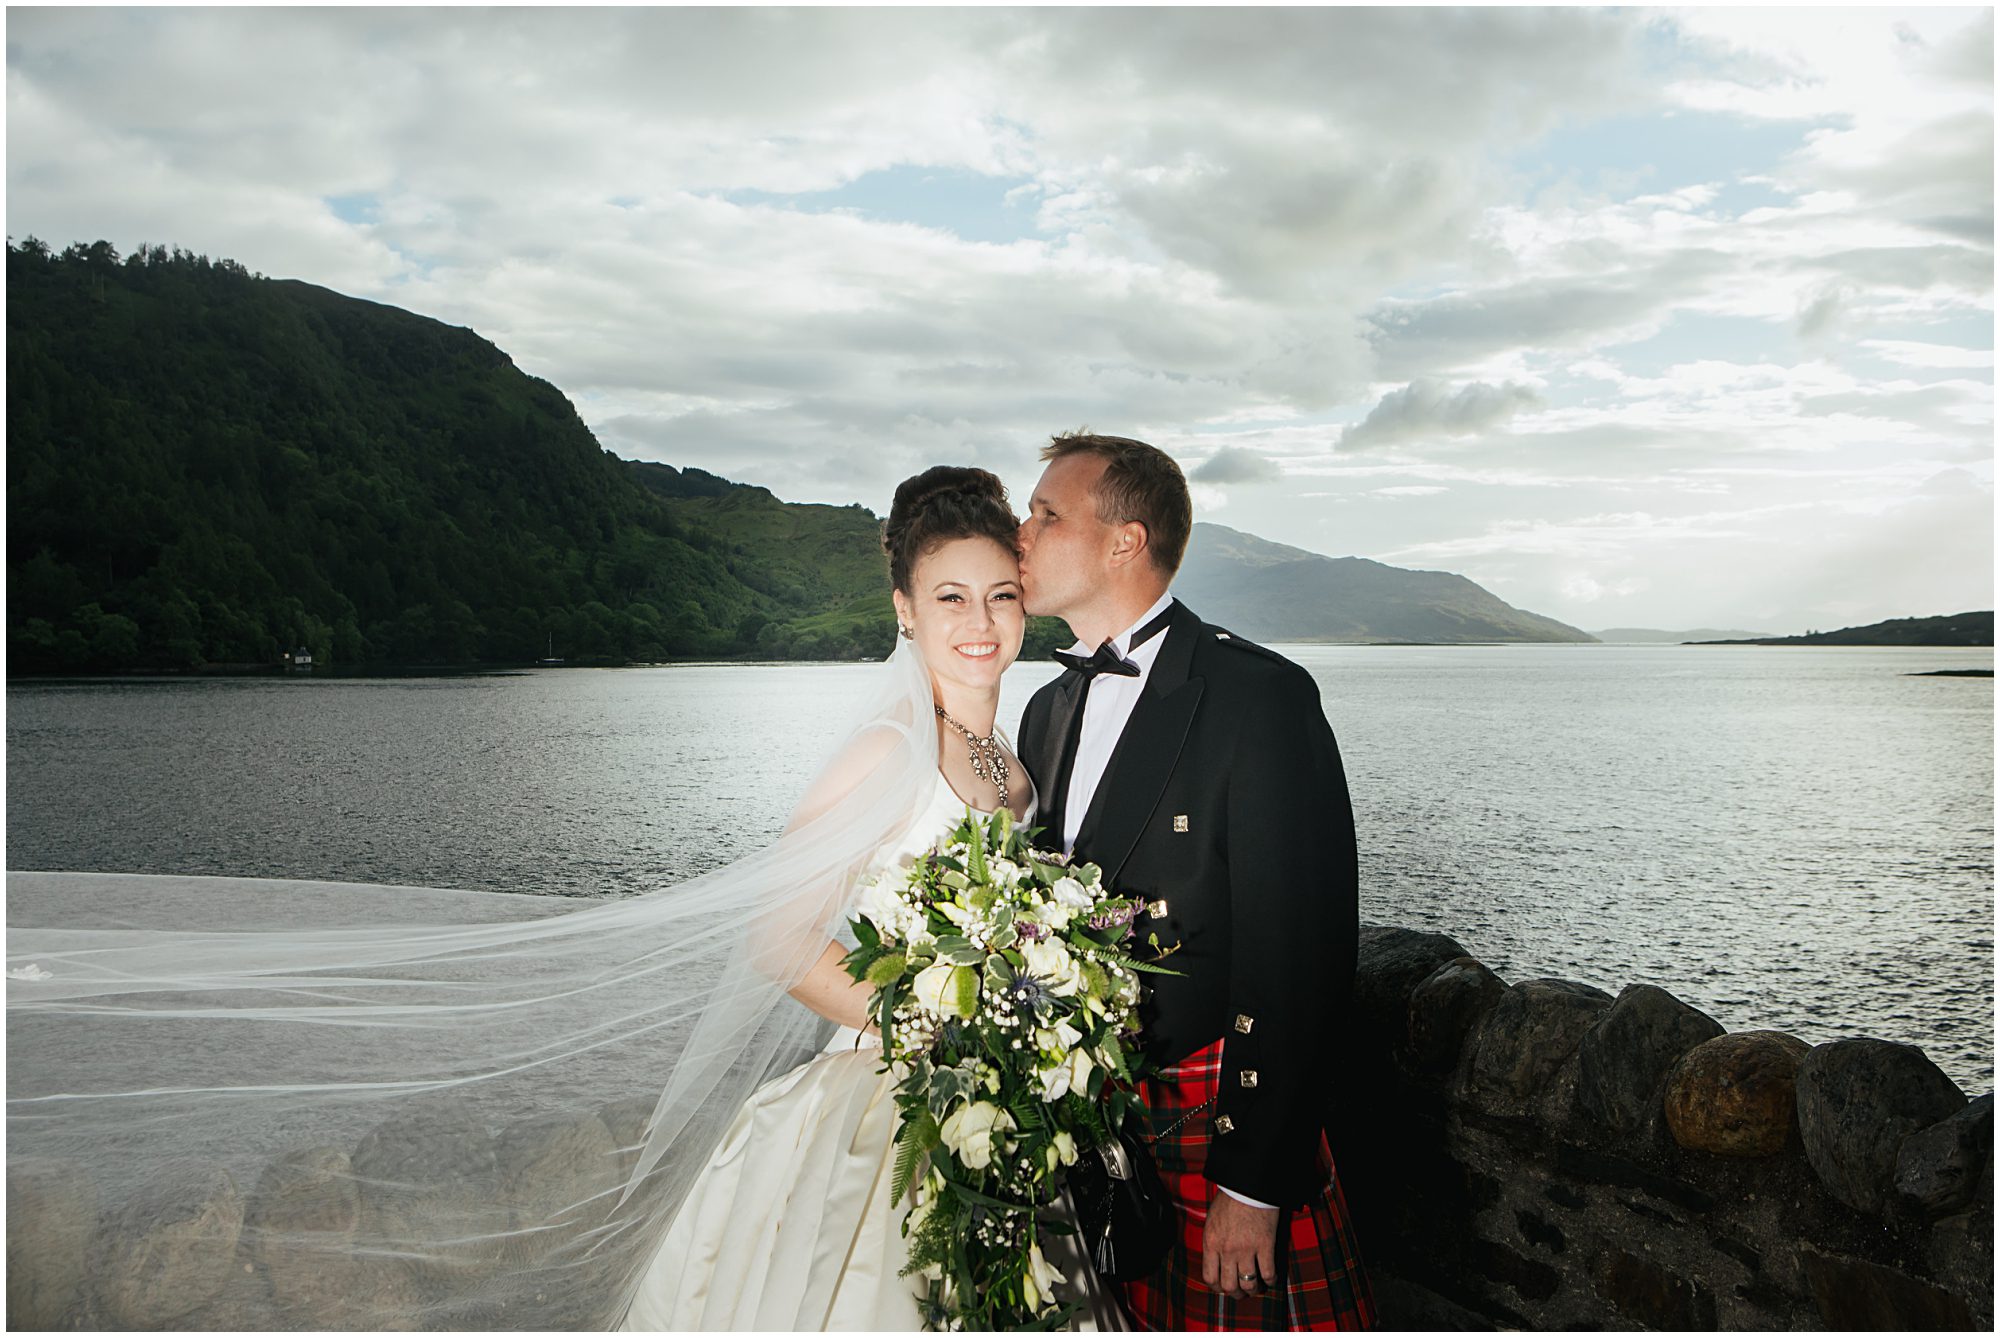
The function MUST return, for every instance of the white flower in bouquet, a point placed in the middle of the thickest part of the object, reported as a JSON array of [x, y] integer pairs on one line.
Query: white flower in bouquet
[[880, 903], [1071, 1075], [1041, 1277], [1053, 914], [1051, 962], [938, 987], [962, 916], [1069, 892], [968, 1132], [1058, 1039], [1061, 1151]]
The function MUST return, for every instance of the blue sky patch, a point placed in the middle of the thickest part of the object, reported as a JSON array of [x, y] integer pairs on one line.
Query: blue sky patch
[[1698, 337], [969, 205], [362, 208], [1651, 154]]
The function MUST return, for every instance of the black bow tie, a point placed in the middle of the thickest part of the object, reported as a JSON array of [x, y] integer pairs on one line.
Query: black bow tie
[[1107, 660]]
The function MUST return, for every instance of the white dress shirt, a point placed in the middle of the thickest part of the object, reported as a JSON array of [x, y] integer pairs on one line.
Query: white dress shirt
[[1108, 701]]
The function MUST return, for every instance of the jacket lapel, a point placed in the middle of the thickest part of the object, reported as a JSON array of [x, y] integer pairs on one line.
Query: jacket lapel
[[1066, 701], [1144, 758]]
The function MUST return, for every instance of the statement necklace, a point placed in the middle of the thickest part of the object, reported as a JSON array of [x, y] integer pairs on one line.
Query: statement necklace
[[988, 762]]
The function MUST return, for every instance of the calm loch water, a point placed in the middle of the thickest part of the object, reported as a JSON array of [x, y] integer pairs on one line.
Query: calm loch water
[[1788, 837]]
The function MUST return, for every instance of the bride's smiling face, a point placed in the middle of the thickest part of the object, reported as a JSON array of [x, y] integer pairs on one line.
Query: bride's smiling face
[[963, 609]]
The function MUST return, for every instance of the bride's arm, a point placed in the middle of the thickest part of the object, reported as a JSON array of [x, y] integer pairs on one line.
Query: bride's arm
[[828, 990]]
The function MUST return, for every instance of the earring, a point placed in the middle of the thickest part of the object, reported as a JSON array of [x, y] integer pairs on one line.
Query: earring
[[905, 632]]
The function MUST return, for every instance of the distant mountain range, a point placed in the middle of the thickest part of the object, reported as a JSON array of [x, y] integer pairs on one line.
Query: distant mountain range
[[1273, 592], [1950, 629], [1653, 636]]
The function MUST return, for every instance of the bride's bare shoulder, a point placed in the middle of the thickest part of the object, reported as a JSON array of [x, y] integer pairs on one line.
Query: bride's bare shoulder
[[871, 759]]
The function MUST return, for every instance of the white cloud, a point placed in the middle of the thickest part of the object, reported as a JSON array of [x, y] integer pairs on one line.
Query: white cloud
[[1425, 410], [1915, 353], [1233, 464]]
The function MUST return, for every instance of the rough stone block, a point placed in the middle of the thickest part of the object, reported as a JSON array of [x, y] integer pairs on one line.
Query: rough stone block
[[429, 1175], [1584, 1165], [171, 1247], [1857, 1101], [300, 1228], [1743, 1254], [1555, 1108], [308, 1189], [558, 1175], [1564, 1197], [1938, 1169], [1625, 1056], [1855, 1294], [1959, 1256], [241, 1305], [51, 1215], [1648, 1211], [1388, 964], [1517, 1047], [1735, 1095], [1538, 1230], [1533, 1279], [1444, 1005], [1406, 1305], [1649, 1294]]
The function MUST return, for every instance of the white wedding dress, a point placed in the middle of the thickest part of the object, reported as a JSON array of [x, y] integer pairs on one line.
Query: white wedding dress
[[789, 1227]]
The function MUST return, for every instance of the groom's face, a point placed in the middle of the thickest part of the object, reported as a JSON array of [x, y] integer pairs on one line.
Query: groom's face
[[1064, 543]]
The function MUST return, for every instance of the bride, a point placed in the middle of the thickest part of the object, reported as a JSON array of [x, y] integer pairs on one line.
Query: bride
[[254, 1103], [790, 1225]]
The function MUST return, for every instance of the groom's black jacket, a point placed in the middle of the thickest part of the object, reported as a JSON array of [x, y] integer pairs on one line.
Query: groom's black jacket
[[1225, 799]]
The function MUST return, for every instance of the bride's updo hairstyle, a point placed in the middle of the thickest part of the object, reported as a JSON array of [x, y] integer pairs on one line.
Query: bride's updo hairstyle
[[944, 503]]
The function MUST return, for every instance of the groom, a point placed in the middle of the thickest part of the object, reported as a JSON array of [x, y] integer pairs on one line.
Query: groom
[[1198, 771]]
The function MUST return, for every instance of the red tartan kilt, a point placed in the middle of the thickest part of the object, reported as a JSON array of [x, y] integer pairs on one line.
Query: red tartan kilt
[[1323, 1283]]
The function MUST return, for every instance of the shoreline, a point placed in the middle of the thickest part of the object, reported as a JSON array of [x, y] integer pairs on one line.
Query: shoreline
[[515, 669]]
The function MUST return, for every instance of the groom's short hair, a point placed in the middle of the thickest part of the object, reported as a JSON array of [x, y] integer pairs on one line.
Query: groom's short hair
[[1141, 483]]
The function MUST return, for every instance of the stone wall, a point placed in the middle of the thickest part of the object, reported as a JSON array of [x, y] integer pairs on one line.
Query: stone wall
[[1535, 1155], [1544, 1155]]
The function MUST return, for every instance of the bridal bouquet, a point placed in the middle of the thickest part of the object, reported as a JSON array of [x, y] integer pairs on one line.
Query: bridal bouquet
[[1008, 1006]]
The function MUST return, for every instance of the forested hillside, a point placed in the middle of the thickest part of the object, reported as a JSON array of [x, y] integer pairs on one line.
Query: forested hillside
[[1946, 629], [209, 467], [813, 556]]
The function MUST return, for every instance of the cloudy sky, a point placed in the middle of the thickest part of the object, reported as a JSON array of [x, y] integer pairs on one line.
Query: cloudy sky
[[1639, 318]]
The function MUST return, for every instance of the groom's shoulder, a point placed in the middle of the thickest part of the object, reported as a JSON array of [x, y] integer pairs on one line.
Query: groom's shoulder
[[1240, 655]]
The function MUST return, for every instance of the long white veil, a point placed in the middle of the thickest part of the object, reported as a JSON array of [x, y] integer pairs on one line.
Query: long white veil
[[247, 1103]]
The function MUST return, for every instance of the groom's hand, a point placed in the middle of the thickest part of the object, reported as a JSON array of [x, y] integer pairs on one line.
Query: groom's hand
[[1238, 1241]]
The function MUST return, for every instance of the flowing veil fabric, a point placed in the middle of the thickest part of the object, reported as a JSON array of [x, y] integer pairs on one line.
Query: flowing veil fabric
[[259, 1103]]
